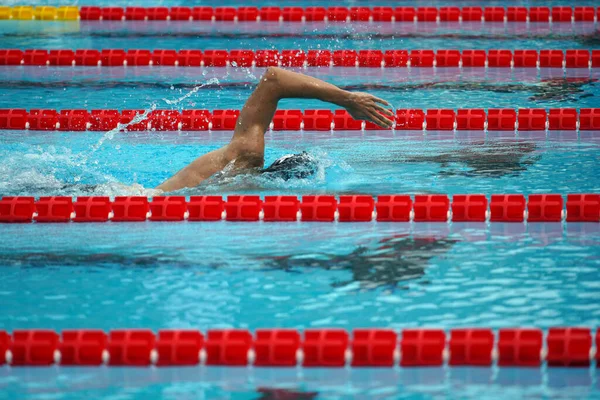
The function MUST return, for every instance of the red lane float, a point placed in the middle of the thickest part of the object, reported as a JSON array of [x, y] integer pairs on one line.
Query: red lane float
[[371, 347], [419, 58], [317, 208]]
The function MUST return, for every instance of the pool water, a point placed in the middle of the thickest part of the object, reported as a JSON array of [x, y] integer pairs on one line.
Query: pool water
[[264, 275]]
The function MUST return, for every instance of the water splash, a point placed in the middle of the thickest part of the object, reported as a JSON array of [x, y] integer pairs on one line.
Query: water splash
[[175, 102]]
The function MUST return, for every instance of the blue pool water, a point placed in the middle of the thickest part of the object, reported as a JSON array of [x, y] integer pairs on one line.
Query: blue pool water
[[260, 275]]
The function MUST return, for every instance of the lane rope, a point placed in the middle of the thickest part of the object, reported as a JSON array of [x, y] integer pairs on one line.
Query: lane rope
[[397, 58], [515, 208], [500, 119]]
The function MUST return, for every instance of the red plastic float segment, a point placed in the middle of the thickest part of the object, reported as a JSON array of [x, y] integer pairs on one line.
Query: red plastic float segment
[[195, 120], [532, 119], [92, 209], [470, 119], [203, 13], [241, 58], [405, 14], [562, 14], [440, 120], [469, 14], [179, 347], [589, 119], [33, 347], [276, 347], [214, 58], [427, 14], [112, 13], [584, 14], [35, 57], [394, 208], [577, 58], [583, 208], [519, 347], [130, 346], [494, 14], [189, 58], [471, 347], [469, 208], [88, 58], [473, 58], [17, 209], [545, 208], [507, 208], [281, 208], [284, 120], [54, 209], [449, 14], [320, 208], [525, 58], [61, 58], [502, 119], [318, 58], [130, 208], [167, 58], [431, 208], [90, 13], [318, 120], [127, 118], [228, 347], [11, 57], [395, 58], [370, 58], [270, 13], [243, 208], [316, 14], [205, 208], [343, 121], [562, 119], [73, 120], [422, 58], [164, 120], [267, 58], [597, 347], [338, 14], [447, 58], [136, 13], [224, 120], [293, 58], [158, 13], [82, 347], [373, 347], [138, 58], [499, 58], [5, 342], [247, 14], [292, 14], [551, 58], [539, 14], [42, 120], [422, 347], [13, 118], [569, 347], [180, 14], [113, 57], [104, 120], [516, 14], [383, 14], [225, 13], [410, 120], [168, 208], [360, 14], [325, 347], [345, 58], [357, 208]]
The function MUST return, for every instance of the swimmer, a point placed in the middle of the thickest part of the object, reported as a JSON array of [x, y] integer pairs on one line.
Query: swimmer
[[246, 151]]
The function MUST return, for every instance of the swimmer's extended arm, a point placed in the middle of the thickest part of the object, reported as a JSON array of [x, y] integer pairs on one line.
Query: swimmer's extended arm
[[247, 147]]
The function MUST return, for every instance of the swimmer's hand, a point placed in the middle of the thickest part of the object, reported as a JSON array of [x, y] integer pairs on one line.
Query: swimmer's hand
[[364, 106]]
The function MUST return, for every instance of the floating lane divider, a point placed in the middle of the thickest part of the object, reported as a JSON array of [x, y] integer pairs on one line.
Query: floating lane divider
[[335, 348], [313, 208], [502, 119], [546, 15], [568, 59]]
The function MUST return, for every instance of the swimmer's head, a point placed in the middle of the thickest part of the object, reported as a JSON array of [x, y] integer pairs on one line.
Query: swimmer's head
[[293, 166]]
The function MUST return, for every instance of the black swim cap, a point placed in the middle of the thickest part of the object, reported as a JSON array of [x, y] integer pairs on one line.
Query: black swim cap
[[292, 166]]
